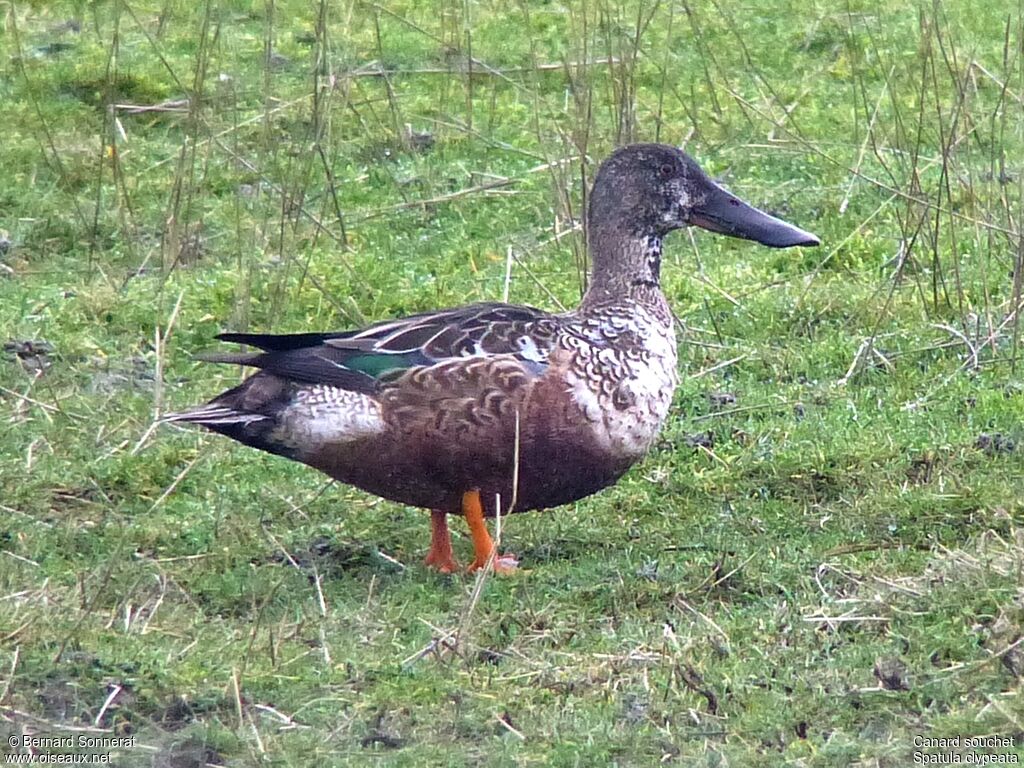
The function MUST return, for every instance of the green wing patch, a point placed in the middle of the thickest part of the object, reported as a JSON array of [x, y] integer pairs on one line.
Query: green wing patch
[[380, 365]]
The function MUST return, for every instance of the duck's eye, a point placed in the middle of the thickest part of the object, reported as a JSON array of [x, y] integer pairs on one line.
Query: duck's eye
[[665, 171]]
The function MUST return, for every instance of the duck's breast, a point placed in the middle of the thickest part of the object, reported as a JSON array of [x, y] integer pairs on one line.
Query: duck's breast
[[621, 376]]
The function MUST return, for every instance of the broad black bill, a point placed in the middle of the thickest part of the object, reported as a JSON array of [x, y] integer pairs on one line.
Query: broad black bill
[[727, 214]]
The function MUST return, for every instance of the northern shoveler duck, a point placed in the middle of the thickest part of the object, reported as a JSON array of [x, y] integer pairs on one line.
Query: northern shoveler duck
[[455, 410]]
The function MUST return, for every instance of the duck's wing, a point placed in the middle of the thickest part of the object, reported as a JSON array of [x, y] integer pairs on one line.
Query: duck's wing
[[361, 360]]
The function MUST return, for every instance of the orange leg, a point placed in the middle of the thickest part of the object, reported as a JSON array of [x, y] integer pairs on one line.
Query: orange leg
[[483, 545], [440, 554]]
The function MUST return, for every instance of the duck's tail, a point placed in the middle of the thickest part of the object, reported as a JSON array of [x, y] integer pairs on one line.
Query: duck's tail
[[213, 415], [248, 413]]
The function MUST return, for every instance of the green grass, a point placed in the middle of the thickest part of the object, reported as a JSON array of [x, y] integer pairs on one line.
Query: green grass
[[839, 570]]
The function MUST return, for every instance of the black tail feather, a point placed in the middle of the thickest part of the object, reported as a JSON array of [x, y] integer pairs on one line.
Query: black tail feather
[[274, 342], [318, 365]]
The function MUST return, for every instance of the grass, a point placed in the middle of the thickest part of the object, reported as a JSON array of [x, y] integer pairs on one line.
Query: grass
[[821, 560]]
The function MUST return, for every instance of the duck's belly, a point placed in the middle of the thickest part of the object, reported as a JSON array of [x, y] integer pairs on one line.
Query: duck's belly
[[566, 447], [553, 467]]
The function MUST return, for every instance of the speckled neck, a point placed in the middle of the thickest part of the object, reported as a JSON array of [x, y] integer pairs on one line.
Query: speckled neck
[[624, 266]]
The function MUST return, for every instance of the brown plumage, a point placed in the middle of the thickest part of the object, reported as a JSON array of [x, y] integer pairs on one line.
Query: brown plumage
[[432, 410]]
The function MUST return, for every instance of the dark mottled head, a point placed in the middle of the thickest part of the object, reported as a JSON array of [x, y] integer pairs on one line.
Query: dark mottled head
[[645, 190]]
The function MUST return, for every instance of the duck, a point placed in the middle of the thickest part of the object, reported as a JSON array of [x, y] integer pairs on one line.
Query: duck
[[495, 408]]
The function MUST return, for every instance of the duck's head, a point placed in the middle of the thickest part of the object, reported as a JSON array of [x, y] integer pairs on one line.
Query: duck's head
[[645, 190]]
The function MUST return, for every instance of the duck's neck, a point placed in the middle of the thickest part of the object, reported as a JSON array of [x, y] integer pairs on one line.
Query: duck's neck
[[625, 265]]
